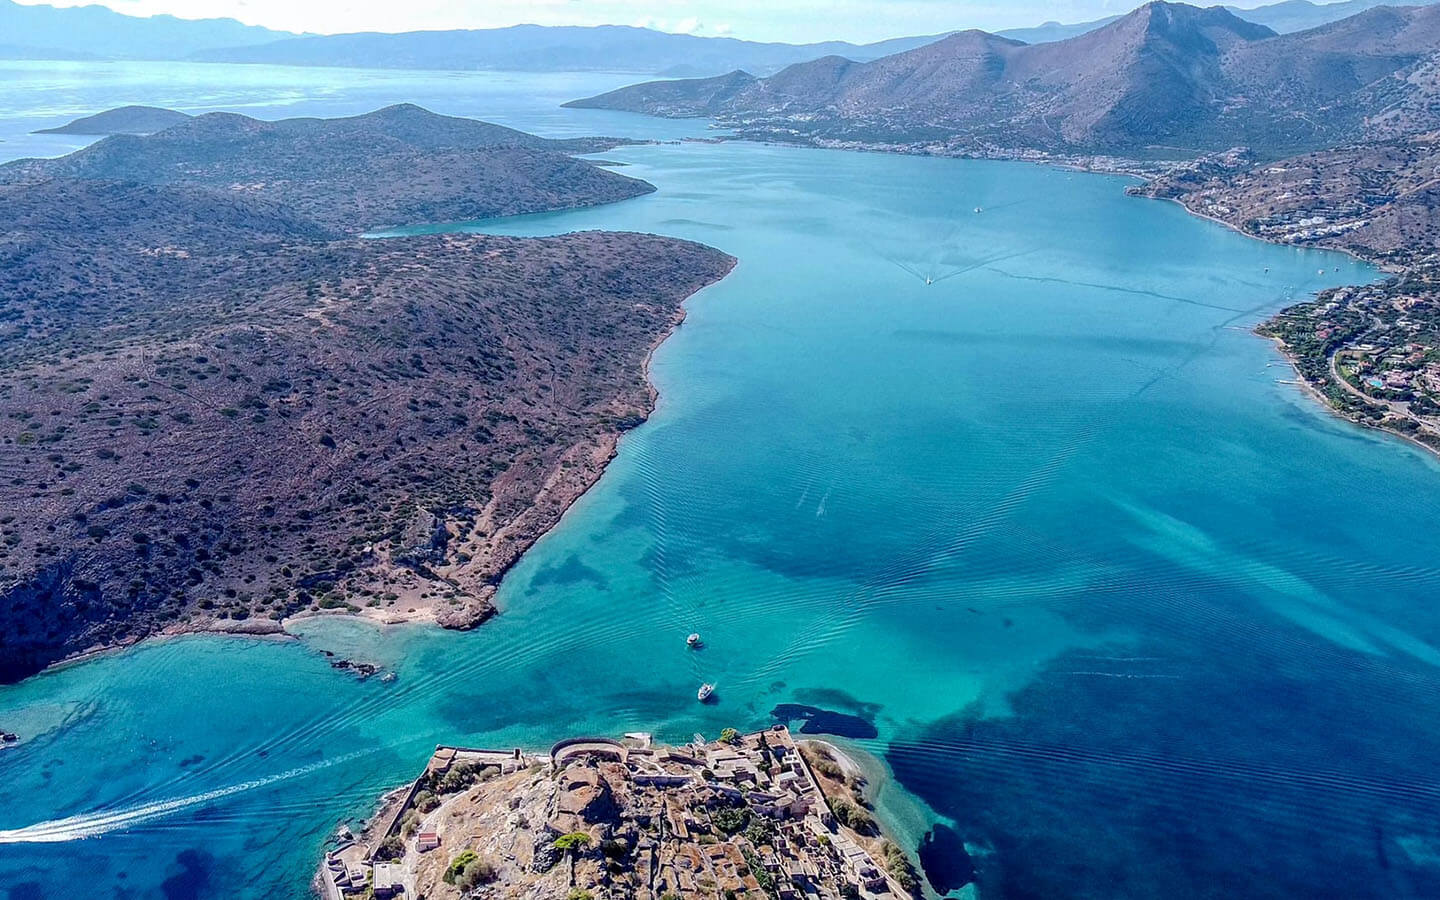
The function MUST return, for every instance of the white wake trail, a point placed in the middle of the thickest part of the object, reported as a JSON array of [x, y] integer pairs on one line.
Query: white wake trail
[[87, 825]]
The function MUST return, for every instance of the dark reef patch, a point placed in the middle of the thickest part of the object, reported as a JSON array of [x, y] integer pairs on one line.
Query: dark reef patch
[[572, 571], [947, 864], [834, 698], [825, 721], [194, 880]]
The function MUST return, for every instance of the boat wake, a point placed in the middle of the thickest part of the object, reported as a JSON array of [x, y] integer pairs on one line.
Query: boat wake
[[88, 825]]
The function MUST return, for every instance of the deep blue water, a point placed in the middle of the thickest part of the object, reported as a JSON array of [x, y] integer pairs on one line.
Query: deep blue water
[[1123, 614]]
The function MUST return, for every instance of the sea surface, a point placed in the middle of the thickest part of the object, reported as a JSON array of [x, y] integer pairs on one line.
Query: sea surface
[[977, 465]]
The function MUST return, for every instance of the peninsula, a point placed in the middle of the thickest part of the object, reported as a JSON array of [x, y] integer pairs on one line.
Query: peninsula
[[747, 816], [218, 411], [1372, 352]]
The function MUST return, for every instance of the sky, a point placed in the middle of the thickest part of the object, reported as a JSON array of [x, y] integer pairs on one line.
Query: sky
[[769, 20]]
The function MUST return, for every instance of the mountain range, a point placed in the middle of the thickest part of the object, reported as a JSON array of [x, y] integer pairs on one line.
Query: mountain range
[[538, 48], [1166, 79], [83, 32], [1282, 18], [94, 32]]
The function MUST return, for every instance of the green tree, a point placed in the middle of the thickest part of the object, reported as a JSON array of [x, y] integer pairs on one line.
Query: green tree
[[458, 864], [729, 819], [390, 848], [573, 842]]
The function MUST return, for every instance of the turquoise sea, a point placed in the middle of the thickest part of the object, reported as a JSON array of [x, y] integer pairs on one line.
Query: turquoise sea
[[1121, 610]]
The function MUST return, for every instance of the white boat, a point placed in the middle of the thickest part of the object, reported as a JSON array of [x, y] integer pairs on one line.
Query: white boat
[[705, 691], [693, 640]]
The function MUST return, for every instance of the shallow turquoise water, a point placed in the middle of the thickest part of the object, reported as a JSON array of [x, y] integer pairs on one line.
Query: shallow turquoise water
[[1127, 615]]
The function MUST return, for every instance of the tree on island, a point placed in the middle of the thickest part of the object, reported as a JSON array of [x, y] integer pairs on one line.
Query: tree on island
[[571, 844]]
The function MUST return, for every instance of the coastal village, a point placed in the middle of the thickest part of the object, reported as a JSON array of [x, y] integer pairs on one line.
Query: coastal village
[[1373, 350], [746, 816]]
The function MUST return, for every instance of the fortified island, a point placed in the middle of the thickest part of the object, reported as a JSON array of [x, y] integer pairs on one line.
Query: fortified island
[[746, 816]]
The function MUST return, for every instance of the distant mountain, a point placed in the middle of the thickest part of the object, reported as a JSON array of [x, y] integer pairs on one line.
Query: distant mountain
[[123, 120], [1052, 31], [550, 49], [101, 32], [1283, 18], [25, 51], [398, 165], [1300, 15], [1165, 78]]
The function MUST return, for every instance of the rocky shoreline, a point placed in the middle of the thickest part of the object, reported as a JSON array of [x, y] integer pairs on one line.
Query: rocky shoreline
[[559, 493]]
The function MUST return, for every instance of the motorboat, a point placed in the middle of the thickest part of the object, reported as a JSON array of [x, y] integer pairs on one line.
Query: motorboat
[[706, 690], [693, 640]]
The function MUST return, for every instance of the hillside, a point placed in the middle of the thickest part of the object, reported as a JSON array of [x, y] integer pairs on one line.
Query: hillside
[[678, 99], [1379, 200], [121, 120], [212, 415], [536, 48], [95, 31], [1167, 79], [398, 165]]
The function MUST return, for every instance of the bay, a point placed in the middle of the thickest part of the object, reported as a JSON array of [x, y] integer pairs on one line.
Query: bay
[[978, 462]]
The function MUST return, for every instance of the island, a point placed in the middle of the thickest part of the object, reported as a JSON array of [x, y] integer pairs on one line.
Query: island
[[121, 120], [220, 410], [746, 816], [401, 165]]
